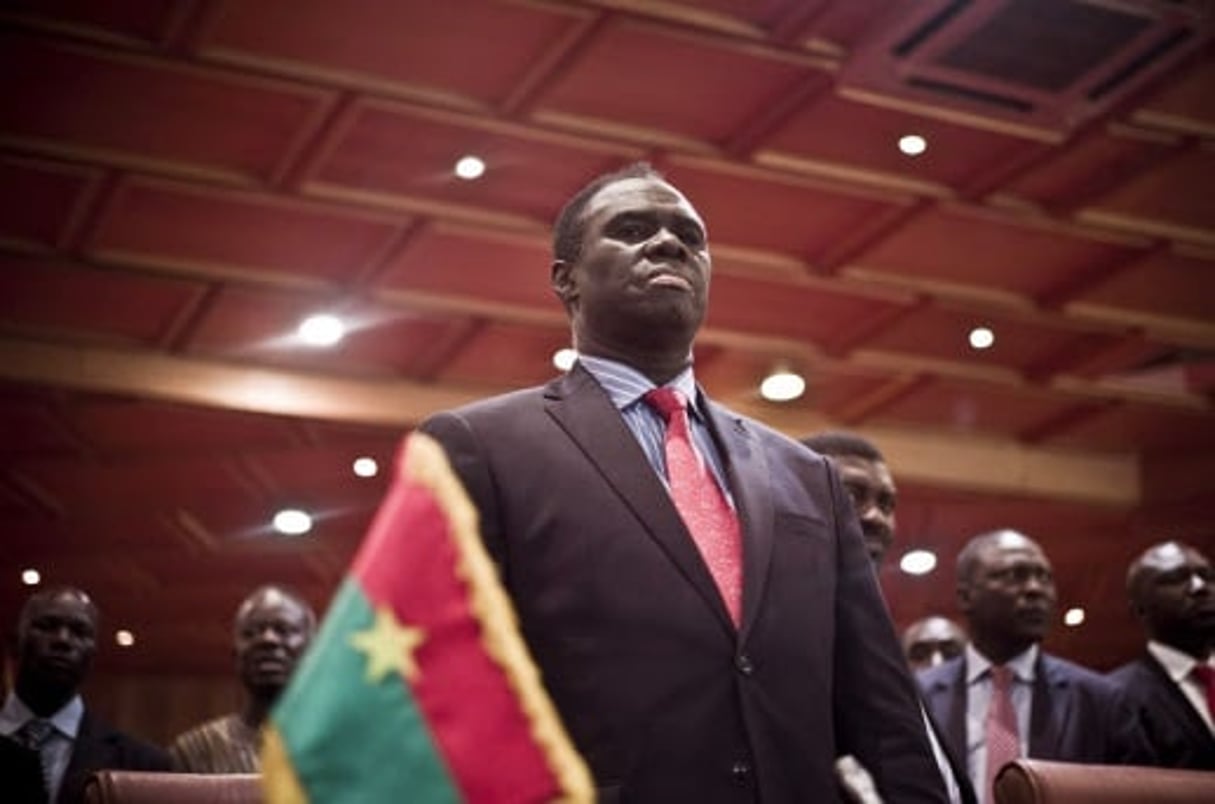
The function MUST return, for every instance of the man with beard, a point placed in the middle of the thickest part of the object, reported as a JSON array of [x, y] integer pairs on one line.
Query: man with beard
[[45, 714], [692, 584], [1172, 592], [870, 486], [271, 631], [1004, 698]]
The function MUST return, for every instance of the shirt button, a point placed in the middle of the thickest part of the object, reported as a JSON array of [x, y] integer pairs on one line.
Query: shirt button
[[744, 664], [741, 771]]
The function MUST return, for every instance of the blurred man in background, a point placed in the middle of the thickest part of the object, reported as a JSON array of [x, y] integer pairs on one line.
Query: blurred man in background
[[45, 714], [271, 630], [1004, 698], [870, 486], [1172, 592], [932, 640]]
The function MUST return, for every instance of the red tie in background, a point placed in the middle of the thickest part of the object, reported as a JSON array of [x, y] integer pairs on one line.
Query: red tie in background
[[700, 501], [1002, 743], [1206, 677]]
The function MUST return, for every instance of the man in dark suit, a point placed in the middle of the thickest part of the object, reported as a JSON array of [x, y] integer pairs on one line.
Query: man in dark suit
[[870, 486], [1172, 592], [44, 713], [1005, 698], [696, 594]]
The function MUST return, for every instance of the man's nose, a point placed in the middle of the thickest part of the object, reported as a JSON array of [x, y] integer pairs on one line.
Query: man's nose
[[665, 242]]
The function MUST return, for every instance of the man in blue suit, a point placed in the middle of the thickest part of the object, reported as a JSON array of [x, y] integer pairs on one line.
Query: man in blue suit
[[1006, 698], [1172, 591], [721, 646]]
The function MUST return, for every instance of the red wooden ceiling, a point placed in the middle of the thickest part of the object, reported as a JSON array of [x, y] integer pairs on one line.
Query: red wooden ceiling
[[186, 179]]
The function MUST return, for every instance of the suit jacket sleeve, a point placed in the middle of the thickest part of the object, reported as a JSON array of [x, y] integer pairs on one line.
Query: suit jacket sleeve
[[877, 711]]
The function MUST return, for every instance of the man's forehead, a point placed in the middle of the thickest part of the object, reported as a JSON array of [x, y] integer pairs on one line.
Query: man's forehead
[[638, 193], [1013, 552], [1173, 556]]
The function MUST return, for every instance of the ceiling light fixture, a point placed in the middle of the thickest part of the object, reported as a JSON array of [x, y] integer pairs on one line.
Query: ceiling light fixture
[[321, 330], [470, 167], [366, 467], [31, 577], [918, 562], [563, 359], [913, 144], [292, 522], [1073, 616], [782, 385], [982, 338], [124, 637]]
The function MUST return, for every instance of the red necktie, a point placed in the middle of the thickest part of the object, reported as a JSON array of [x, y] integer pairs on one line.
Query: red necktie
[[1206, 676], [700, 501], [1002, 743]]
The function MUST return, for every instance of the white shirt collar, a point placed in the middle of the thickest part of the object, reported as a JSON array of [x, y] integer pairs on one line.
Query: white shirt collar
[[1178, 664], [1022, 665], [66, 721]]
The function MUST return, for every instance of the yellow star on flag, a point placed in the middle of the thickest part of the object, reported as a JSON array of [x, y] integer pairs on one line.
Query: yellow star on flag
[[389, 646]]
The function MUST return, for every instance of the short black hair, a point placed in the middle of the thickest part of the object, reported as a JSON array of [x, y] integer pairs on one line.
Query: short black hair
[[568, 230], [50, 593], [840, 442]]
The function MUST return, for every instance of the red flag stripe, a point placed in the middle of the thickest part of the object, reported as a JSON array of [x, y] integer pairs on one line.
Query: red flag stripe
[[424, 560]]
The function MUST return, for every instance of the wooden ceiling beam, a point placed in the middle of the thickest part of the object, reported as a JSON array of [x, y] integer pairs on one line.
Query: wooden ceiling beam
[[992, 465]]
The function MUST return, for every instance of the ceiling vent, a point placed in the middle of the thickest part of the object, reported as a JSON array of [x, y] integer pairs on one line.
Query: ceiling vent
[[1038, 68]]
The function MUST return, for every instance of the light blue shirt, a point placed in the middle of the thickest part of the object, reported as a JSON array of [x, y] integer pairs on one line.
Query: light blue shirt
[[978, 700], [57, 751], [626, 386]]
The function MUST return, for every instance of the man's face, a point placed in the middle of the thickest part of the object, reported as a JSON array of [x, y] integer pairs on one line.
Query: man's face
[[873, 494], [1010, 595], [1176, 596], [641, 282], [931, 642], [272, 631], [57, 640]]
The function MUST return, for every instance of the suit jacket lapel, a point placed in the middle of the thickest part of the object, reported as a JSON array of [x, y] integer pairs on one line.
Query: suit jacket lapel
[[1181, 711], [747, 474], [1050, 710], [584, 411]]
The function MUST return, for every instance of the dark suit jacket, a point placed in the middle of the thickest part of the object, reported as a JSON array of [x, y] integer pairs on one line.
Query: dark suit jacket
[[957, 764], [20, 774], [98, 747], [1076, 715], [664, 699], [1179, 736]]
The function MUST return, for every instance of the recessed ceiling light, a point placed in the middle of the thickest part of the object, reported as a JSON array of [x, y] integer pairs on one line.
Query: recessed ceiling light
[[124, 637], [470, 167], [292, 522], [913, 144], [563, 359], [1073, 616], [982, 338], [782, 386], [918, 562], [31, 577], [366, 467], [321, 330]]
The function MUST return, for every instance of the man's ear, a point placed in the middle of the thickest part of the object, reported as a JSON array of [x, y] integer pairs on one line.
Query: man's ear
[[562, 280]]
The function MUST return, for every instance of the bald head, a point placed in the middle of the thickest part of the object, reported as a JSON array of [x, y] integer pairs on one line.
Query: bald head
[[1171, 592]]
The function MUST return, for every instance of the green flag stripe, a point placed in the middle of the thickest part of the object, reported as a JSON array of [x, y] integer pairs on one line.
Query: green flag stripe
[[333, 722]]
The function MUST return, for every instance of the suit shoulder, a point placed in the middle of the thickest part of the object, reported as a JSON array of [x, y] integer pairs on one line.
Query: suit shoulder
[[772, 438], [942, 675]]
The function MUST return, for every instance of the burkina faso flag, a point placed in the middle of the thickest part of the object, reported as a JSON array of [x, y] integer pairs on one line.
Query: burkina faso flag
[[418, 687]]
